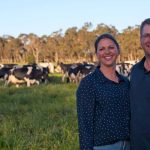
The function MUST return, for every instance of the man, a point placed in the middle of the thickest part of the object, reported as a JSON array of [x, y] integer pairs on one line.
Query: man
[[140, 94]]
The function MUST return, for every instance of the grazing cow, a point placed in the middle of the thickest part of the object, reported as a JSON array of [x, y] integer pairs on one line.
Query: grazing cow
[[80, 71], [4, 73], [4, 70], [86, 69], [75, 72], [65, 69], [29, 74], [49, 65], [124, 68]]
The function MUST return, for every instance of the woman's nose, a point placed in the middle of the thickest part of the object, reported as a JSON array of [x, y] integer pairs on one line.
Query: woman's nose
[[107, 50]]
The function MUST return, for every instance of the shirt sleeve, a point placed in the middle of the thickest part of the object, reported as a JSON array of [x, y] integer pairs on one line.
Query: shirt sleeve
[[85, 111]]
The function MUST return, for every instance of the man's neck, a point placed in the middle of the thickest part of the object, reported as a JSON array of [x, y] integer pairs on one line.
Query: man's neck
[[147, 63]]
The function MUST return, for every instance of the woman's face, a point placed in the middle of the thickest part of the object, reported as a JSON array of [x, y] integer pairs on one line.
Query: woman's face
[[107, 52]]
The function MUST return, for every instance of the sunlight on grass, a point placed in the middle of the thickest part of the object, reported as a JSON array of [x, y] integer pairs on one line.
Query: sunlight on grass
[[39, 118]]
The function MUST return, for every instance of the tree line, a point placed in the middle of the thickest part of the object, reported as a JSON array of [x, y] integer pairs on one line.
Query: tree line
[[75, 45]]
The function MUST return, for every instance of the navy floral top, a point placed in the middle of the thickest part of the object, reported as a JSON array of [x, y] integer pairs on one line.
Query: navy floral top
[[103, 110]]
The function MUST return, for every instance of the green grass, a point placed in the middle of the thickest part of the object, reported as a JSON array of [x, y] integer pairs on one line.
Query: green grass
[[39, 118]]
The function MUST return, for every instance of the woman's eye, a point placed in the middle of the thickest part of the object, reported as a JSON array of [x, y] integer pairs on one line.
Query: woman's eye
[[101, 49], [111, 47]]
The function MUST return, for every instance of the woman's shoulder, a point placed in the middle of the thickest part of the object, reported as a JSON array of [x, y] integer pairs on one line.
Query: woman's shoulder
[[87, 81], [86, 85], [89, 78]]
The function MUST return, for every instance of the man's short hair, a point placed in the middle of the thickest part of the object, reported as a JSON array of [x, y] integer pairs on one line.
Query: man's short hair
[[146, 21]]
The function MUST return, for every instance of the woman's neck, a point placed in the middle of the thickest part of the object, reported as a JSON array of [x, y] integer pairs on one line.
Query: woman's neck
[[109, 72]]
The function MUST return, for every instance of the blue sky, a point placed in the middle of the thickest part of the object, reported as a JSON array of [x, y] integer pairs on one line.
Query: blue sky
[[42, 17]]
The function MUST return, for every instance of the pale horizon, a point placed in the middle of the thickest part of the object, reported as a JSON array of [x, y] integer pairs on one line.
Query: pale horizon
[[43, 17]]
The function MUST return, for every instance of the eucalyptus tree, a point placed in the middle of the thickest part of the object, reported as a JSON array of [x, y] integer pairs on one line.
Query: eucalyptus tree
[[129, 41], [2, 44], [85, 39], [55, 44], [23, 51], [33, 47], [71, 42], [12, 46]]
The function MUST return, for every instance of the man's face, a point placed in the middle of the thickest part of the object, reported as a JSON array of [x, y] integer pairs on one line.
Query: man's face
[[145, 40]]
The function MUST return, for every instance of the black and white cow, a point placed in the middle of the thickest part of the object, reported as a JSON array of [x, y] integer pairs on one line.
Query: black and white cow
[[75, 72], [29, 74], [124, 68], [4, 70], [65, 69]]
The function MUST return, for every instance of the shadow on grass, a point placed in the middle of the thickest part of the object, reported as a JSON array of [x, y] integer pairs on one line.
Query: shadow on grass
[[56, 79], [52, 79]]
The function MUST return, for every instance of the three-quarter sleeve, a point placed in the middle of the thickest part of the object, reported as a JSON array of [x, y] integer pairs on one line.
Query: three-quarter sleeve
[[85, 110]]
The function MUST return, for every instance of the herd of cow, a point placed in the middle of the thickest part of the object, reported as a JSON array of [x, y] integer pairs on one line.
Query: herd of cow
[[39, 73], [75, 72]]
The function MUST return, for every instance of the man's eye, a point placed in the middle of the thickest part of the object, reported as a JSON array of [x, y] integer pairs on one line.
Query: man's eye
[[146, 35]]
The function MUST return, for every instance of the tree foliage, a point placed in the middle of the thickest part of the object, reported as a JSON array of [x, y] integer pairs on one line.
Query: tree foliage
[[75, 45]]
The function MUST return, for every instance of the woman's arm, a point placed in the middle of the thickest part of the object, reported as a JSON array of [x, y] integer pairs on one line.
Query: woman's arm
[[85, 110]]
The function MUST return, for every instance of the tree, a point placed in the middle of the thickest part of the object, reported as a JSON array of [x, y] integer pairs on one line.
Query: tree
[[2, 44]]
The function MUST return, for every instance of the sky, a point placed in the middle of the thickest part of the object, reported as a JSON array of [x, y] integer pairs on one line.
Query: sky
[[43, 17]]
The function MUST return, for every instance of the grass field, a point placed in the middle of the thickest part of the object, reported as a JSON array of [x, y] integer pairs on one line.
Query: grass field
[[39, 118]]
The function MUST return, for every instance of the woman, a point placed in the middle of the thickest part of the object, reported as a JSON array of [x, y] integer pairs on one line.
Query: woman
[[103, 102]]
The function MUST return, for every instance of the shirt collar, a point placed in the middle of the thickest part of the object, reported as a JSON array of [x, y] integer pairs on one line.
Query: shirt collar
[[103, 79], [141, 65]]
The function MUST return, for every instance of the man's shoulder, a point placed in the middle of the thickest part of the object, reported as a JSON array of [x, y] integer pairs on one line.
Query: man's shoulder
[[136, 70], [136, 66]]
